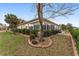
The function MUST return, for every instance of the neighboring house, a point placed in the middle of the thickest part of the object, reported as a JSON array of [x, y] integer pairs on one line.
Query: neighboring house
[[2, 26], [34, 24]]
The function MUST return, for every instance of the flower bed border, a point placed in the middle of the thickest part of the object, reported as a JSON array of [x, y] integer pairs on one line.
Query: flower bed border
[[40, 46]]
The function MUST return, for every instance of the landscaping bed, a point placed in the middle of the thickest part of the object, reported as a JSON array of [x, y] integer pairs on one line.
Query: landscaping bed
[[16, 44]]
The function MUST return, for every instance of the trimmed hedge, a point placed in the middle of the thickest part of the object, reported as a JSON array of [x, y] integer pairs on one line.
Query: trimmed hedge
[[75, 34]]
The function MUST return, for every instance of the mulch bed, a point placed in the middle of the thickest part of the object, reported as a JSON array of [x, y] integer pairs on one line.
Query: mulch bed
[[46, 43]]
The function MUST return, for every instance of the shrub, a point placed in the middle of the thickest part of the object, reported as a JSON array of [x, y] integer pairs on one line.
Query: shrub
[[46, 33], [15, 30], [32, 36], [27, 31], [50, 32], [19, 30], [34, 42], [35, 32], [75, 34], [56, 31]]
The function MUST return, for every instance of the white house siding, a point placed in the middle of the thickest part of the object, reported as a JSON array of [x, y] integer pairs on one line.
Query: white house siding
[[3, 27], [0, 27], [36, 25], [21, 27]]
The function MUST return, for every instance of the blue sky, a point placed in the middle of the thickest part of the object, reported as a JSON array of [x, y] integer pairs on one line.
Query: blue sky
[[27, 12]]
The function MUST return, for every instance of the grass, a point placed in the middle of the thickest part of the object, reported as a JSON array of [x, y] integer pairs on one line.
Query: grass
[[11, 44]]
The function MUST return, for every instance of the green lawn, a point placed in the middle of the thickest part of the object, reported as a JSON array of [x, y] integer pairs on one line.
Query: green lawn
[[11, 44]]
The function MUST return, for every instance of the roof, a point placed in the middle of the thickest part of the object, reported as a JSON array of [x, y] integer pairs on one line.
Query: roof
[[44, 19]]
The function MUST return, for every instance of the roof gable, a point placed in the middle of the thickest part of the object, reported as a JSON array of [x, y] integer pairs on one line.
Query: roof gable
[[44, 19]]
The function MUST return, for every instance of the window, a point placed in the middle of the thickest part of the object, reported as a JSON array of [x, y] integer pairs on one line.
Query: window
[[48, 27], [30, 27], [44, 27], [36, 27], [52, 27]]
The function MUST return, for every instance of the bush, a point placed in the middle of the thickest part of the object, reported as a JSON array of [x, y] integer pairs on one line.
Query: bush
[[32, 36], [27, 31], [34, 42], [56, 31], [46, 33], [50, 32], [75, 34], [35, 32]]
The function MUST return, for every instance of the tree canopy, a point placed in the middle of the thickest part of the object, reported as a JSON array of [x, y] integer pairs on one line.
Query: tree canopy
[[13, 20]]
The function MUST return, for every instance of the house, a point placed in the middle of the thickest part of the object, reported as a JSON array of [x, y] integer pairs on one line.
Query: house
[[34, 24], [2, 26]]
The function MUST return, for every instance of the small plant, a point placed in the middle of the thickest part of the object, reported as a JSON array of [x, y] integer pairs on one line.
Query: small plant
[[35, 32], [34, 42], [33, 39], [56, 31], [32, 36], [47, 33]]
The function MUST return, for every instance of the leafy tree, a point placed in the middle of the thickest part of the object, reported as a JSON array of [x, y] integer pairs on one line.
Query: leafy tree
[[69, 26], [63, 27], [21, 21], [12, 20]]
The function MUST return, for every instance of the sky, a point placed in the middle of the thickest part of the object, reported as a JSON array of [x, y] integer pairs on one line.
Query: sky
[[26, 11]]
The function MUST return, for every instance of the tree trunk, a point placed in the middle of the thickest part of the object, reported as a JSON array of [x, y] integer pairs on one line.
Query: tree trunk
[[40, 17]]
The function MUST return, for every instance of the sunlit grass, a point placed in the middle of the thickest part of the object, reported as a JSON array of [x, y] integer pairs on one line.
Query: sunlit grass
[[15, 44], [9, 42]]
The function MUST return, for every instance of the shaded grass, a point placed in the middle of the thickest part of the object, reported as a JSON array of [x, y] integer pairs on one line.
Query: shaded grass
[[11, 44]]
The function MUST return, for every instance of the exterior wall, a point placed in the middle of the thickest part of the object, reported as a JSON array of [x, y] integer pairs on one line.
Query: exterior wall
[[36, 25], [19, 27], [2, 27]]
